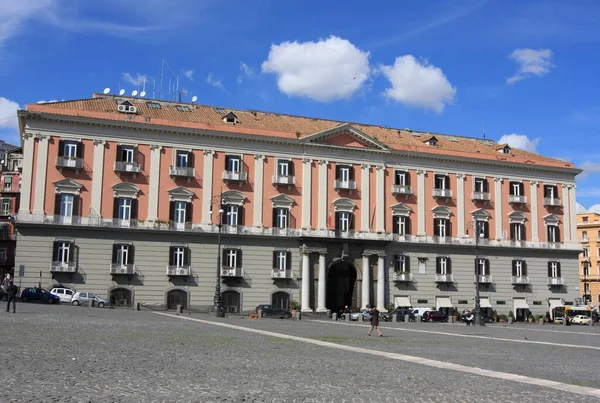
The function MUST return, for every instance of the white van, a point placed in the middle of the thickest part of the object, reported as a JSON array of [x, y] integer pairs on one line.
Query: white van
[[420, 311], [64, 294]]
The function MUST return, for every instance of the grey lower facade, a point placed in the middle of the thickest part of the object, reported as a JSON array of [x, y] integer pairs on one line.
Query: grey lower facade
[[342, 262]]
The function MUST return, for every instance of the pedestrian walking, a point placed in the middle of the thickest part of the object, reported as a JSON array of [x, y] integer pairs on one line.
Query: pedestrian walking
[[11, 290], [374, 321]]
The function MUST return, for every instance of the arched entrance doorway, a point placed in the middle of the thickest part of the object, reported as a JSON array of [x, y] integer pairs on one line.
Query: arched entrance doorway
[[281, 300], [177, 297], [231, 301], [122, 297], [341, 286]]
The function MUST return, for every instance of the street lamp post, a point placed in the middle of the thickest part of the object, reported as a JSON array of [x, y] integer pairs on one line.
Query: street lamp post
[[478, 234], [217, 305]]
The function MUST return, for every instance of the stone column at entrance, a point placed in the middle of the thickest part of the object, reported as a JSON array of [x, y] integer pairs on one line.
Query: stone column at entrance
[[366, 282], [381, 283], [322, 285], [305, 303]]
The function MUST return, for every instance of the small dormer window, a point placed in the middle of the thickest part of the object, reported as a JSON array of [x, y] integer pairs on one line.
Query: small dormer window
[[127, 107], [182, 108], [505, 150], [153, 105], [230, 118], [432, 142]]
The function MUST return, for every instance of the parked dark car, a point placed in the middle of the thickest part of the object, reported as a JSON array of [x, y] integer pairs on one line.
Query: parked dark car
[[435, 316], [401, 312], [484, 318], [39, 294], [269, 311]]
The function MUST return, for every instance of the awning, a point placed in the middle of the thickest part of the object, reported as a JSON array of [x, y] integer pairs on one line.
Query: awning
[[484, 302], [520, 303], [402, 302], [554, 302], [443, 302]]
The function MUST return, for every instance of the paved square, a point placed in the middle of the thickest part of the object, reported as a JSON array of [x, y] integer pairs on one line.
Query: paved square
[[79, 354]]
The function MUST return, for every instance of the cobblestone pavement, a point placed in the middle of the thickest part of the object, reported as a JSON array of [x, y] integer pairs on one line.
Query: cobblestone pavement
[[79, 354]]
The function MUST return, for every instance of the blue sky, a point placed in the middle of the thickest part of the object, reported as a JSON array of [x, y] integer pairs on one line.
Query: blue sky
[[528, 69]]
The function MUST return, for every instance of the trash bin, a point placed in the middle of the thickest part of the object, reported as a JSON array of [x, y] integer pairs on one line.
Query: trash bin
[[334, 316]]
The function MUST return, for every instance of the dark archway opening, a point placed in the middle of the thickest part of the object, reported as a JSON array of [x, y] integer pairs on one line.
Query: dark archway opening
[[281, 299], [341, 287], [177, 297], [122, 297], [231, 301]]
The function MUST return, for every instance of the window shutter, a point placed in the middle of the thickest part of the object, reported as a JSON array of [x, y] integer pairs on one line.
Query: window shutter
[[227, 159], [239, 258], [523, 232], [240, 217], [275, 253], [275, 217], [351, 173], [116, 207], [135, 154], [549, 269], [448, 228], [438, 268], [291, 168], [71, 252], [80, 149], [558, 273], [189, 212], [487, 267], [131, 254], [190, 159], [289, 219], [119, 153], [436, 230], [406, 263], [486, 230], [557, 239], [524, 267], [171, 256], [224, 261], [134, 209], [407, 178], [396, 222], [513, 235], [338, 174], [187, 255], [172, 211], [522, 188], [114, 253], [448, 265], [514, 268], [407, 225], [61, 148], [76, 206], [485, 185], [351, 219], [288, 260], [55, 251], [337, 220], [224, 215], [57, 204], [447, 182]]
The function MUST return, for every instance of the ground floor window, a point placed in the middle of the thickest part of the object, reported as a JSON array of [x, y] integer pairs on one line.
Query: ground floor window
[[122, 297], [231, 301], [177, 297], [281, 300]]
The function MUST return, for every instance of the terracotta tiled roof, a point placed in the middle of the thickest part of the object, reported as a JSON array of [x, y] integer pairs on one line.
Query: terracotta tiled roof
[[285, 126]]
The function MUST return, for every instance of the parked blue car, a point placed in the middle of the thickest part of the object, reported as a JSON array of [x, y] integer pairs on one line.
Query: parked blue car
[[39, 294]]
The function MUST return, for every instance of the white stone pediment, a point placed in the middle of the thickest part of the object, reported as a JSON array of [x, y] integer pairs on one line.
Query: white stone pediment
[[551, 219], [282, 200], [481, 215], [233, 197], [516, 218], [401, 209], [348, 129], [181, 193], [344, 204], [68, 186], [441, 212], [126, 189]]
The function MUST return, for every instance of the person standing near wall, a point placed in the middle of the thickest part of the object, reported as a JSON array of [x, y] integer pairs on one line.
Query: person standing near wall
[[374, 321], [11, 290]]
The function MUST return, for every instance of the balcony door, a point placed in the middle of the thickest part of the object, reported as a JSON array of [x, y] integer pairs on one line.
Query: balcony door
[[182, 159], [66, 208]]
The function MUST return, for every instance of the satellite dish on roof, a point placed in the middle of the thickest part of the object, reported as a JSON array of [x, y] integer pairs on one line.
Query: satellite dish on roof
[[194, 99], [134, 93], [143, 94], [106, 90], [121, 92]]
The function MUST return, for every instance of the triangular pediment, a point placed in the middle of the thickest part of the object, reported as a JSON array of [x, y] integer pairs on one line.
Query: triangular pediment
[[516, 217], [345, 136], [441, 212], [401, 209], [551, 219], [282, 200], [233, 197], [126, 189], [67, 185], [481, 214], [181, 193], [344, 204]]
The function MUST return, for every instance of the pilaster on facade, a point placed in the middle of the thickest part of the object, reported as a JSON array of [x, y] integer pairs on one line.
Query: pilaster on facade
[[381, 283], [322, 284], [566, 215], [27, 173], [366, 282], [41, 172], [379, 199], [306, 192], [97, 176], [207, 188], [305, 295], [421, 202], [498, 206], [460, 203], [365, 197], [258, 189], [154, 185], [534, 212], [572, 212], [322, 200]]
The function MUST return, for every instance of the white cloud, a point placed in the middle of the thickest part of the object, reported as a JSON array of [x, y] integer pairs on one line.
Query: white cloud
[[9, 123], [589, 168], [326, 70], [520, 141], [594, 209], [531, 62], [213, 81], [245, 72], [14, 14], [579, 208], [418, 83], [137, 80], [189, 74]]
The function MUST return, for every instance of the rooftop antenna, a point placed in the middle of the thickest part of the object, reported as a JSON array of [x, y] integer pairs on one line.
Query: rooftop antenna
[[106, 90], [194, 99], [143, 93], [134, 93], [121, 92], [484, 129], [154, 90]]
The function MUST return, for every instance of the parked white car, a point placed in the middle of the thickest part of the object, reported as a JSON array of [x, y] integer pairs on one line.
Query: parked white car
[[420, 311], [581, 320], [83, 297], [64, 294]]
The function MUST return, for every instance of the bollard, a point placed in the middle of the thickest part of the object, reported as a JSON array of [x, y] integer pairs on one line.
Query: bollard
[[394, 318], [591, 322], [419, 318], [179, 309], [260, 314], [406, 318], [510, 321], [299, 315], [92, 303], [334, 317], [138, 306], [542, 322], [565, 321], [348, 316]]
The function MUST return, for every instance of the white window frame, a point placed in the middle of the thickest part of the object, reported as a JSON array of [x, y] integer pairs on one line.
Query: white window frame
[[181, 159], [179, 210], [482, 267], [554, 269], [128, 154], [551, 233], [231, 214], [122, 255], [402, 224], [6, 206], [179, 256], [281, 259], [442, 225], [400, 263], [282, 217], [344, 221], [442, 181], [516, 188], [344, 174], [125, 206], [586, 252], [518, 231], [443, 266], [234, 163], [66, 204], [519, 268], [283, 167], [231, 257], [63, 252], [584, 236], [400, 177], [479, 185], [70, 149]]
